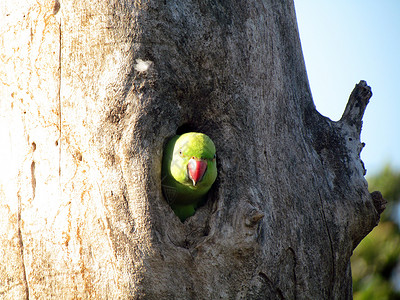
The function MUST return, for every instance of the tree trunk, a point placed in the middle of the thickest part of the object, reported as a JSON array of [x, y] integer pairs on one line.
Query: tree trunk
[[90, 93]]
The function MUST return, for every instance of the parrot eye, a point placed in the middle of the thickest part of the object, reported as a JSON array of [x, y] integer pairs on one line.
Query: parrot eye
[[215, 156], [180, 152]]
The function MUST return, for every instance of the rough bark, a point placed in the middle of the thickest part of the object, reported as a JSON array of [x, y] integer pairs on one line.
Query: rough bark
[[91, 91]]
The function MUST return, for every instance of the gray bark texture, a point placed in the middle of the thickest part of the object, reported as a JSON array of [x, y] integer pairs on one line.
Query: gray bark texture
[[90, 91]]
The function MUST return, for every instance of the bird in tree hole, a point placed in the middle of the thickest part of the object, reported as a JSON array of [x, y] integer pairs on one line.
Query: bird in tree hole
[[189, 169]]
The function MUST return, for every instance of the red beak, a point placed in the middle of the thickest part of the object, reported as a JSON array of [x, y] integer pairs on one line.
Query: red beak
[[196, 169]]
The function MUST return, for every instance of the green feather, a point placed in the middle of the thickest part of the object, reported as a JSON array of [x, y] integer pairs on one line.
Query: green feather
[[178, 189]]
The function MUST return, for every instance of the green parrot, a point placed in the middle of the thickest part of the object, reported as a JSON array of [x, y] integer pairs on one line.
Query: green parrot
[[189, 169]]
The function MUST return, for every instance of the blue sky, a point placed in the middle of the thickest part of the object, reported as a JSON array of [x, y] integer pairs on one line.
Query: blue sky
[[344, 42]]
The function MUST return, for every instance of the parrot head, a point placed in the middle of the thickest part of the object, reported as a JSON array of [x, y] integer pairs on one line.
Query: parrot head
[[194, 161]]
